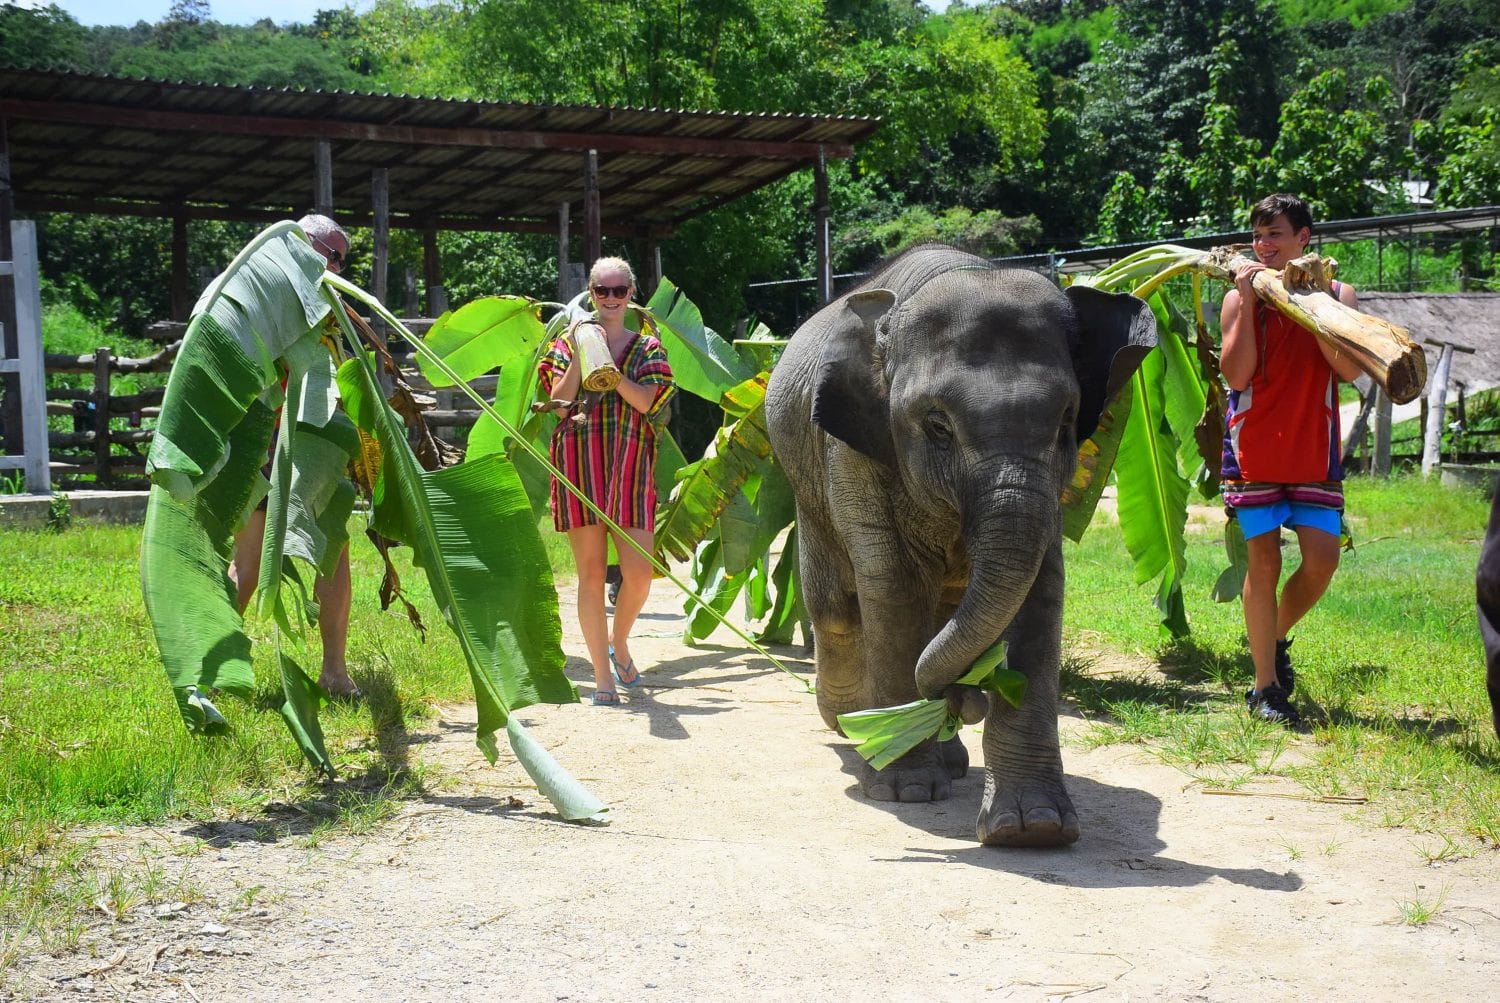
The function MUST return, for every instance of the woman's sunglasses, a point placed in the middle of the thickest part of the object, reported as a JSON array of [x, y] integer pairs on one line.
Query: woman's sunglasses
[[612, 292]]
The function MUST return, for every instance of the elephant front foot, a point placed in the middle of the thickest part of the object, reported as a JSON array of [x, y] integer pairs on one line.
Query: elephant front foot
[[926, 773], [1017, 813]]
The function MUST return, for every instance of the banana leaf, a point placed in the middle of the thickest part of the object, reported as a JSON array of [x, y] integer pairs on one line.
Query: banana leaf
[[1184, 391], [1152, 493], [1096, 458], [706, 486], [787, 609], [262, 314], [482, 335], [1231, 581], [712, 587], [885, 734], [703, 364]]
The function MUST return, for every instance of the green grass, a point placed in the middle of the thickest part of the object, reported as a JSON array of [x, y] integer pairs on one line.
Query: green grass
[[1389, 665], [90, 734]]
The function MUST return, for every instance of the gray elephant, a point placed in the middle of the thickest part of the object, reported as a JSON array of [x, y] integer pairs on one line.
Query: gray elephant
[[927, 422]]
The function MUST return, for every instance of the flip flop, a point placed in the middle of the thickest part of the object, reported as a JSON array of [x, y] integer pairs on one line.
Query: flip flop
[[627, 676], [606, 698]]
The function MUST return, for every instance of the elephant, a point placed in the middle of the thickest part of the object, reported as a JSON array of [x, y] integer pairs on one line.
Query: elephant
[[927, 422]]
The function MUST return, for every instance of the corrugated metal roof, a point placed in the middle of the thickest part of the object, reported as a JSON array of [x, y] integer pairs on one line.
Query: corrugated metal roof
[[102, 144]]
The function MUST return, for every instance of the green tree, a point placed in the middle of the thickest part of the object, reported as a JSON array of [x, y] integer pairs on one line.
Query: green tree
[[1334, 149], [43, 37]]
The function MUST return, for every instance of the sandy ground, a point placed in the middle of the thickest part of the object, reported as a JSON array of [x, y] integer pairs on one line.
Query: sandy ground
[[742, 862]]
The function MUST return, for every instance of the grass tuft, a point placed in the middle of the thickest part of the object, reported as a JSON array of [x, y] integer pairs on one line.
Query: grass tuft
[[1389, 665]]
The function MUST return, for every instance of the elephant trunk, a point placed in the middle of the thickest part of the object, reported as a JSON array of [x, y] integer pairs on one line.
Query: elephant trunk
[[1006, 529]]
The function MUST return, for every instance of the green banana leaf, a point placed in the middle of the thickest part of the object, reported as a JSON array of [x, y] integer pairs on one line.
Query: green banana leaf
[[1231, 581], [703, 364], [1152, 493], [706, 486], [787, 610], [1184, 391], [885, 734], [482, 335], [1096, 458], [261, 314], [470, 528]]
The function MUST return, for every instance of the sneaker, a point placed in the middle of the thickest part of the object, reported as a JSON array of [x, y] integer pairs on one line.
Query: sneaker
[[1271, 704], [1286, 676]]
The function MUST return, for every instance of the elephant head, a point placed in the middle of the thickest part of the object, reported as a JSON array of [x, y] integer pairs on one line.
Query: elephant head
[[972, 389]]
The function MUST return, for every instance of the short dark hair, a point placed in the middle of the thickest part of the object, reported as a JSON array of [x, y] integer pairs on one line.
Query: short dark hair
[[1282, 204]]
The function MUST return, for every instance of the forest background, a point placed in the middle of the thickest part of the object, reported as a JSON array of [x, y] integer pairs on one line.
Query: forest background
[[1008, 127]]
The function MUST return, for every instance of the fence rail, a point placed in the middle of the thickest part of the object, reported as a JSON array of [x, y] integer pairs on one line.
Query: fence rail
[[85, 456]]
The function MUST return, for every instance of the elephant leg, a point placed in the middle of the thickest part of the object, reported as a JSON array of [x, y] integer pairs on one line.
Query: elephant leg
[[1026, 802], [896, 632], [833, 608]]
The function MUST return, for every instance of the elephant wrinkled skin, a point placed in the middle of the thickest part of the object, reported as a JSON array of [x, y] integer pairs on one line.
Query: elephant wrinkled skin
[[927, 422]]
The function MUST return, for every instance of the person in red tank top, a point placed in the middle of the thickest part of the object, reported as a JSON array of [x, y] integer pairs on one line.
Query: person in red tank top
[[1281, 453]]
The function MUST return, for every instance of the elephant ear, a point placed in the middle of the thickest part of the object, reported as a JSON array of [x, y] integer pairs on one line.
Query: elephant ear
[[849, 400], [1115, 332]]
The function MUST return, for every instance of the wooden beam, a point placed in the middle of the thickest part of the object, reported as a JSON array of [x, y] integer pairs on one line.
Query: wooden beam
[[592, 246], [182, 303], [380, 201], [437, 299], [248, 214], [820, 230], [1437, 412], [373, 132], [562, 252], [323, 178], [10, 347]]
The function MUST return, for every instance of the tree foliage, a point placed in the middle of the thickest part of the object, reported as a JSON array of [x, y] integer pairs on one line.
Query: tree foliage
[[1095, 120]]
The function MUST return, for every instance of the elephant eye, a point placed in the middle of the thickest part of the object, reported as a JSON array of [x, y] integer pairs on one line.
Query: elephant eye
[[938, 428]]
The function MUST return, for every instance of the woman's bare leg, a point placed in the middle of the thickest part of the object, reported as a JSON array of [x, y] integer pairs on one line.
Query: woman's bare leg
[[589, 557], [635, 587]]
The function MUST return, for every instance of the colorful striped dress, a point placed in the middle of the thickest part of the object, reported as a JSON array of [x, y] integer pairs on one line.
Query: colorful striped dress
[[611, 455]]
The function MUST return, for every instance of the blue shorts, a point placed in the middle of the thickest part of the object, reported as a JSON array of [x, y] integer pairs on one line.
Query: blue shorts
[[1256, 520]]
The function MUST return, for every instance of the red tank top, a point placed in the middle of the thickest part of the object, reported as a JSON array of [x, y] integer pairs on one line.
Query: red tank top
[[1284, 427]]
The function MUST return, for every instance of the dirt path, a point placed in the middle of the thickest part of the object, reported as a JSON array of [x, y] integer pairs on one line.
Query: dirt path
[[742, 863]]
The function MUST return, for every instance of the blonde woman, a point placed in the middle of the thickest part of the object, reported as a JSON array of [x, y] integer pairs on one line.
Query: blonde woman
[[610, 457]]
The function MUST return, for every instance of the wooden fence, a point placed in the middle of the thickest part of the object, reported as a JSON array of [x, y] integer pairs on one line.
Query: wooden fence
[[110, 435], [85, 451], [86, 457]]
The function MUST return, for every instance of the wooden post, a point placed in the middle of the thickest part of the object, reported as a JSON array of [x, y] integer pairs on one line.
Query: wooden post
[[102, 359], [10, 345], [653, 268], [1437, 412], [380, 205], [820, 223], [323, 177], [182, 303], [1380, 461], [25, 370], [437, 299], [592, 238], [562, 253]]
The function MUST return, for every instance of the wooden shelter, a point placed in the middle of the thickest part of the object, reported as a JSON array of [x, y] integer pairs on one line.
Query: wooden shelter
[[71, 142], [94, 144]]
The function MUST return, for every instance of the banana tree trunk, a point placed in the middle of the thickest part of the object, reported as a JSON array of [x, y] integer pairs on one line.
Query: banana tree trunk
[[1380, 348]]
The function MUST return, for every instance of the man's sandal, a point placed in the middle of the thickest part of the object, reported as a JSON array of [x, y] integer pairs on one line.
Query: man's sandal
[[606, 698]]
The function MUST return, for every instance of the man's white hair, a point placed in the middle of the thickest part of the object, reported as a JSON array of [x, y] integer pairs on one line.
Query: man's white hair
[[320, 227]]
